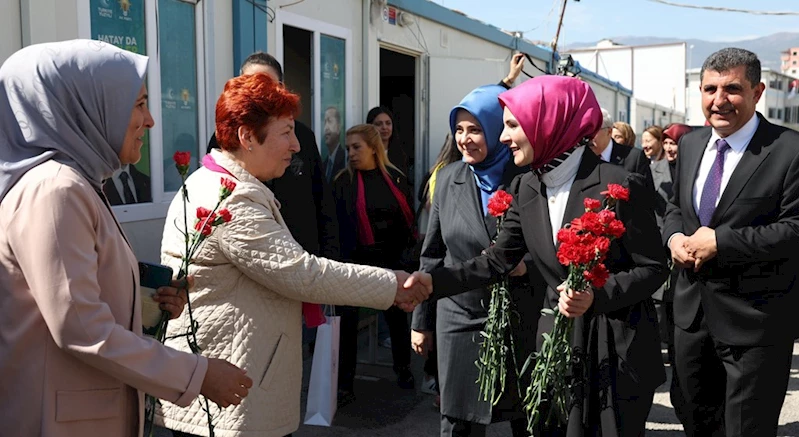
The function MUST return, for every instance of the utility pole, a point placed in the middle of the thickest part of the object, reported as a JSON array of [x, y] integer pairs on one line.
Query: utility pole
[[557, 34]]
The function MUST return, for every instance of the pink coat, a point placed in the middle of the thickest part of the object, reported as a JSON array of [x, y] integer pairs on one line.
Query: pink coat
[[73, 361]]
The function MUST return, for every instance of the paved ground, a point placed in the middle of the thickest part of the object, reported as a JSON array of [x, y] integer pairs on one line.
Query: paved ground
[[384, 410]]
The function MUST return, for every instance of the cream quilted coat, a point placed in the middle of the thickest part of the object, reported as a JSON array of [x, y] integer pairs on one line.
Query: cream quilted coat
[[251, 278]]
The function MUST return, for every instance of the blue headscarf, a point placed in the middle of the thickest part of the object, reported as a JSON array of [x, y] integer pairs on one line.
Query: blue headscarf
[[483, 104]]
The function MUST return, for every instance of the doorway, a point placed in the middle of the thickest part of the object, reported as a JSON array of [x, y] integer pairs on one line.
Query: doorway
[[298, 68], [398, 93]]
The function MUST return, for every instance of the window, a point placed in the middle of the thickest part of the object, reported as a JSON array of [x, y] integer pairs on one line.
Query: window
[[170, 32], [329, 78], [787, 117], [779, 114], [772, 112], [794, 53], [775, 84]]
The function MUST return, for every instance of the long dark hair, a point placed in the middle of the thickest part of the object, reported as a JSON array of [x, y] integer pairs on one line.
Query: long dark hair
[[377, 110]]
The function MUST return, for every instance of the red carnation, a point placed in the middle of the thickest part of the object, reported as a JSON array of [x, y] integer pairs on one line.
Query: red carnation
[[590, 223], [591, 204], [499, 203], [606, 216], [597, 276], [182, 159], [615, 229], [616, 191], [205, 225], [225, 215], [567, 235], [602, 246], [226, 189], [203, 212]]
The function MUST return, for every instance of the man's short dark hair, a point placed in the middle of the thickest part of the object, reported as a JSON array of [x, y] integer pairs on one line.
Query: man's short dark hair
[[732, 57], [261, 58]]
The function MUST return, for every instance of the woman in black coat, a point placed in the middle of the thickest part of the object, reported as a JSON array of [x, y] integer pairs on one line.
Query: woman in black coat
[[615, 342], [376, 226], [460, 229]]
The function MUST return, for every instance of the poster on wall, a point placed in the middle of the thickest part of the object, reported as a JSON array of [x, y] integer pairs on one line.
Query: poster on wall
[[179, 111], [333, 107], [122, 23]]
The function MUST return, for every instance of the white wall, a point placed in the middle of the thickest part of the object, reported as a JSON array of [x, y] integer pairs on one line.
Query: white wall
[[10, 29], [49, 20], [693, 114], [654, 73], [647, 113]]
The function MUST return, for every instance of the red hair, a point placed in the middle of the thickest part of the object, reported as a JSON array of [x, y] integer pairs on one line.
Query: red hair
[[251, 101]]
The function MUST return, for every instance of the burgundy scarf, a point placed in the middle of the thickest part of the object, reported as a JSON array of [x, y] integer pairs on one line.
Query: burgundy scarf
[[365, 235], [310, 311]]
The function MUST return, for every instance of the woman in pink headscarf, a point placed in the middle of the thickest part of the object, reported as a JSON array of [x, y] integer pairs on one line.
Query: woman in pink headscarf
[[549, 120]]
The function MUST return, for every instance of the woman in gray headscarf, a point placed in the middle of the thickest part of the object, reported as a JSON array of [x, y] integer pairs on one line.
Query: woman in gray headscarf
[[73, 361]]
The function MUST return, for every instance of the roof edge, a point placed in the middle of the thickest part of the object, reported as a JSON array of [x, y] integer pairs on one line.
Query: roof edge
[[448, 17]]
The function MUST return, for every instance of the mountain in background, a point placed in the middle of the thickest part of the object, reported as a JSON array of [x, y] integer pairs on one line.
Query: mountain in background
[[767, 48]]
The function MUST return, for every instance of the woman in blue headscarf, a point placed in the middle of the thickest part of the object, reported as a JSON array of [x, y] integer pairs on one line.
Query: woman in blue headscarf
[[459, 229]]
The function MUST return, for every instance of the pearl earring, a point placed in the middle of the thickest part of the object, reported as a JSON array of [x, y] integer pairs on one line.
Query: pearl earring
[[250, 148]]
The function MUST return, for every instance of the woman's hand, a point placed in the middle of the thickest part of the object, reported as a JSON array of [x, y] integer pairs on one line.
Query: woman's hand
[[174, 298], [574, 303], [422, 342], [224, 383], [515, 68]]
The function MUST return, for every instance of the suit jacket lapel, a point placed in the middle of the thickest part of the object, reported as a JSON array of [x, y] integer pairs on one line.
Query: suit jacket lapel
[[587, 177], [753, 156], [693, 157], [537, 210], [615, 153], [469, 205]]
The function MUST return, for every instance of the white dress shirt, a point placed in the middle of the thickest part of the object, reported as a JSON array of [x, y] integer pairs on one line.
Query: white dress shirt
[[738, 142], [605, 155], [118, 182], [559, 182]]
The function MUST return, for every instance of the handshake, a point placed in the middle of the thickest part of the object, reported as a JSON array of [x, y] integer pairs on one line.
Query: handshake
[[412, 289]]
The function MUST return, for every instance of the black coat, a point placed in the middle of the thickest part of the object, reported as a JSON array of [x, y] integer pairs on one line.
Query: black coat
[[746, 291], [618, 337], [458, 231], [306, 199], [344, 193]]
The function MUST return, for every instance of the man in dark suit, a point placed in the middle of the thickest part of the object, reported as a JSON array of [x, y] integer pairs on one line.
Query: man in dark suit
[[306, 200], [632, 159], [733, 227], [128, 185]]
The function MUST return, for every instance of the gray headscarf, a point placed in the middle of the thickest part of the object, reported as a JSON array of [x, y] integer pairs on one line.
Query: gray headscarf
[[69, 101]]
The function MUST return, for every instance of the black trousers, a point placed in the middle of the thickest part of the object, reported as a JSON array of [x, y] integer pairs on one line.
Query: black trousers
[[452, 427], [399, 330], [732, 391]]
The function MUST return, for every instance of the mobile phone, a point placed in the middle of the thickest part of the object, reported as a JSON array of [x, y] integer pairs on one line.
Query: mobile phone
[[151, 277]]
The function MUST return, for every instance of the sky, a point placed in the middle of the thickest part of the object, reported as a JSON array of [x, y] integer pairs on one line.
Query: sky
[[592, 20]]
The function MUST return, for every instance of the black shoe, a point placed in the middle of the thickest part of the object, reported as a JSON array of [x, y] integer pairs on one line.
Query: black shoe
[[405, 379]]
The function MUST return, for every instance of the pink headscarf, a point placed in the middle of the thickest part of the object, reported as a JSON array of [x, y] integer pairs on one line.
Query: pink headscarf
[[555, 112]]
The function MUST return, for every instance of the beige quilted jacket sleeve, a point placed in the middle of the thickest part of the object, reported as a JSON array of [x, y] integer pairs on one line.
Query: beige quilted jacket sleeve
[[259, 245]]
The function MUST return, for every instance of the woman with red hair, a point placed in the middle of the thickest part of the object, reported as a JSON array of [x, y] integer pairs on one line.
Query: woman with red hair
[[251, 276], [616, 364]]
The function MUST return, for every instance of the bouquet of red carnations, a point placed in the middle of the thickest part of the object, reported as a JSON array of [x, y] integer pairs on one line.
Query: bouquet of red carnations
[[584, 244]]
